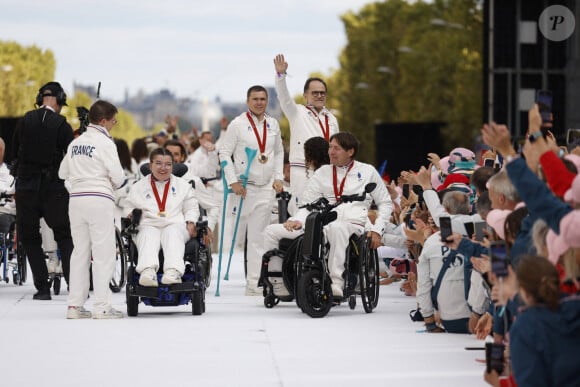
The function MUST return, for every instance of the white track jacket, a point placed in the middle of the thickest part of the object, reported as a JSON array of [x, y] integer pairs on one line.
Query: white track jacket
[[91, 165]]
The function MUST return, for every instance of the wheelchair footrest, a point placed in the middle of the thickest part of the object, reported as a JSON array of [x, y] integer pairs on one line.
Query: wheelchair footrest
[[146, 291], [184, 287]]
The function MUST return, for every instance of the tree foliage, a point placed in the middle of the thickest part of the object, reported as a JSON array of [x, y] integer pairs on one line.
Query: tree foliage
[[23, 70], [411, 62]]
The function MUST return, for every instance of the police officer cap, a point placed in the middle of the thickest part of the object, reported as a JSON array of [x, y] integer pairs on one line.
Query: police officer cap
[[55, 89]]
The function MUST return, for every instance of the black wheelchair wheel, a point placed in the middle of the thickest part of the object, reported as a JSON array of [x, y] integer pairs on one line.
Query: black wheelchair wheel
[[207, 267], [132, 301], [352, 301], [197, 303], [271, 300], [369, 277], [119, 275], [16, 278], [314, 295], [21, 261], [56, 285]]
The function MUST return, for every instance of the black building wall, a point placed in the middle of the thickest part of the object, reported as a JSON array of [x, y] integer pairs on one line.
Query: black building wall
[[544, 65]]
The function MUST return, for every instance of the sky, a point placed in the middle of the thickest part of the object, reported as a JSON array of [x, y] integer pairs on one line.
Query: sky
[[197, 49]]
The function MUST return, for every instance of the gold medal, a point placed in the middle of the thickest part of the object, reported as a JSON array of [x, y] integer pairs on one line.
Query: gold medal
[[161, 214], [263, 158]]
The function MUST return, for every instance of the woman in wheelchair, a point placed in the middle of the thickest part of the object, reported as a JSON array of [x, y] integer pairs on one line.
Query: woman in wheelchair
[[169, 212]]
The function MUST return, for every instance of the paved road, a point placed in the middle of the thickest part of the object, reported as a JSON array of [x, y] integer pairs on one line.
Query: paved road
[[238, 342]]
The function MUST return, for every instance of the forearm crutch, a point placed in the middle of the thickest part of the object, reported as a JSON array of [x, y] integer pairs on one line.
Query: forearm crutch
[[251, 154], [226, 192]]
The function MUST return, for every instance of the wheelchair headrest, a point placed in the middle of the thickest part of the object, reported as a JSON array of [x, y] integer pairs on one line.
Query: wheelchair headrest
[[179, 169]]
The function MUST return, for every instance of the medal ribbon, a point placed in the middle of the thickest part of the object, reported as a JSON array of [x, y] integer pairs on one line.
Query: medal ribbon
[[325, 132], [337, 192], [261, 145], [160, 203]]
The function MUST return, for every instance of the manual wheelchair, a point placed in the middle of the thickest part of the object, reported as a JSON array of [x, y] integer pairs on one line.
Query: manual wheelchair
[[313, 290], [12, 257]]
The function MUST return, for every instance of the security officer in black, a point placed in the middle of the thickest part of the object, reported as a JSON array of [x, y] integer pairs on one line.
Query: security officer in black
[[40, 142]]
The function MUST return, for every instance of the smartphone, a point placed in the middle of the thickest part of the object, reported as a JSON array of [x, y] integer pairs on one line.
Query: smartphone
[[419, 191], [544, 101], [445, 227], [488, 163], [494, 357], [499, 258], [479, 227], [406, 191], [572, 136], [469, 228]]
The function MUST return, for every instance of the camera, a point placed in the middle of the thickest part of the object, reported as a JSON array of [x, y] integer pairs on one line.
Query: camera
[[83, 115], [494, 357]]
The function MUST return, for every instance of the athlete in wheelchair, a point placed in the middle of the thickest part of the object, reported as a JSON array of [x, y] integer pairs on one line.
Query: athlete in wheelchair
[[165, 217], [331, 226], [278, 274]]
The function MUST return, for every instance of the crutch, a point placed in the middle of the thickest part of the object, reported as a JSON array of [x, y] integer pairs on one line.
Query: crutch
[[251, 154], [226, 192]]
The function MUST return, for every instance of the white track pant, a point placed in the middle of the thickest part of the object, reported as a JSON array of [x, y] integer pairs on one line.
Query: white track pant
[[255, 217], [48, 242], [272, 236], [338, 234], [93, 233], [171, 239]]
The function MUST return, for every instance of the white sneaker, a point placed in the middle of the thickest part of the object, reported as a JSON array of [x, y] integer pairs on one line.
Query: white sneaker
[[336, 290], [170, 277], [52, 264], [108, 314], [76, 312], [148, 277], [253, 291]]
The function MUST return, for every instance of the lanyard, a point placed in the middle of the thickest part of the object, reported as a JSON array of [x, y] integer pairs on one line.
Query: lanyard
[[325, 132], [337, 191], [160, 203], [261, 145]]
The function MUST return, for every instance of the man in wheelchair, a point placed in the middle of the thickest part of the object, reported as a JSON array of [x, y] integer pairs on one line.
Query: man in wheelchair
[[343, 176], [169, 214]]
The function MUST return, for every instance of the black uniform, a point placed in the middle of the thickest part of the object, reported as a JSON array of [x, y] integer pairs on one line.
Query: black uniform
[[40, 141]]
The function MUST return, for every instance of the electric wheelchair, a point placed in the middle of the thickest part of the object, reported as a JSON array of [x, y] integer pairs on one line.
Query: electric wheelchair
[[313, 290], [196, 277]]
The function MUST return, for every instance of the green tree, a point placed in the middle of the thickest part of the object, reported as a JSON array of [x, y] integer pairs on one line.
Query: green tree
[[126, 127], [411, 62], [23, 70]]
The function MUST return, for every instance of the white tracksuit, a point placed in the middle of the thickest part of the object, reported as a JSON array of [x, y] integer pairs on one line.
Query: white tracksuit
[[260, 195], [304, 124], [169, 232], [92, 170], [351, 217]]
